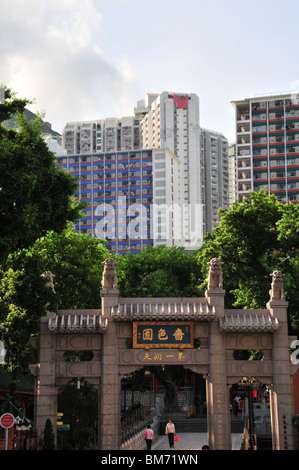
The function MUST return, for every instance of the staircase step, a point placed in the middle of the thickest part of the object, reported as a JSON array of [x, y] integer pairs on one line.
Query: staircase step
[[199, 425]]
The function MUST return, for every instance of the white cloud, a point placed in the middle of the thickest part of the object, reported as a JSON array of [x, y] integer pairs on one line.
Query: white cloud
[[51, 51]]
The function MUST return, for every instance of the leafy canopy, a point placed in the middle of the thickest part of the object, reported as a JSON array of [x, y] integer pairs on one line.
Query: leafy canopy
[[76, 262], [253, 239], [158, 272], [35, 194]]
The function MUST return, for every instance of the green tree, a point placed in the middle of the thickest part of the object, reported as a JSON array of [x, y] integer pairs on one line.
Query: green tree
[[80, 410], [74, 259], [11, 105], [158, 272], [35, 194], [254, 238], [49, 438]]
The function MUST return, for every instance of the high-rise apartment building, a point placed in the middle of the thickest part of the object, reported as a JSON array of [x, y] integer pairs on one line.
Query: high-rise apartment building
[[216, 176], [172, 121], [232, 173], [267, 146], [189, 183], [106, 135], [128, 196]]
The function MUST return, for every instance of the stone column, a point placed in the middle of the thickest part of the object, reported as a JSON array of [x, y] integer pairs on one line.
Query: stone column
[[282, 406], [44, 372], [110, 379], [219, 433]]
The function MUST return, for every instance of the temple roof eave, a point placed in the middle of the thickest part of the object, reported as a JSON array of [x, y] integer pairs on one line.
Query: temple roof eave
[[161, 311], [78, 323], [248, 321]]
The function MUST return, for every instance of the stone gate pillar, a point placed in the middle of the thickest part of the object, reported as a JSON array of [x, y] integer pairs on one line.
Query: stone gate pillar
[[219, 434], [110, 380], [44, 373], [282, 405], [45, 397]]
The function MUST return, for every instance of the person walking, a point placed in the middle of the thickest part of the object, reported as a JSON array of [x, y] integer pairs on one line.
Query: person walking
[[170, 431], [149, 437]]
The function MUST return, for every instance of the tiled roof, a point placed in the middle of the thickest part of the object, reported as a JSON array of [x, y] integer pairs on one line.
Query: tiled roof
[[77, 322], [24, 382], [175, 309], [249, 321]]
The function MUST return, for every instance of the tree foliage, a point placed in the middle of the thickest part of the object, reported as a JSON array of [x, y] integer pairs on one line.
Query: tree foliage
[[158, 272], [80, 411], [253, 239], [76, 262], [49, 438], [35, 194]]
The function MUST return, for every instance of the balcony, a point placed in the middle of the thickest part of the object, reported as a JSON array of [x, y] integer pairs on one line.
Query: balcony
[[244, 187], [244, 175], [244, 163], [244, 140], [243, 128], [242, 152], [243, 113]]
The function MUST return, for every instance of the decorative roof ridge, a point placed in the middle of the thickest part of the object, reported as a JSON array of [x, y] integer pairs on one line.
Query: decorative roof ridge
[[257, 320], [77, 322], [160, 310]]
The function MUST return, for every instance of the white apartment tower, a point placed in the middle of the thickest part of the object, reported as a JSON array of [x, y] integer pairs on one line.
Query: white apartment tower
[[216, 176], [106, 135], [172, 121], [166, 122]]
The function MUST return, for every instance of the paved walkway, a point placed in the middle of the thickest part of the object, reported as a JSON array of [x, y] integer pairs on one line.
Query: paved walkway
[[191, 441]]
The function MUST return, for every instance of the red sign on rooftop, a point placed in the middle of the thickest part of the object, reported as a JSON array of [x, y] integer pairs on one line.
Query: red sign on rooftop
[[181, 103]]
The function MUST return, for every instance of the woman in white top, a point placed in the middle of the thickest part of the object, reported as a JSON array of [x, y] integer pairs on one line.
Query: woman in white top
[[170, 431]]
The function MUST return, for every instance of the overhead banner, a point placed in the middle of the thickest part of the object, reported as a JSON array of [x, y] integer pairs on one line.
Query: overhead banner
[[163, 334]]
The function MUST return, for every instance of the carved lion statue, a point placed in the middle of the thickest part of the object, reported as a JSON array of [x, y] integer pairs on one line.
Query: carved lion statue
[[49, 279], [109, 279], [215, 274], [277, 286]]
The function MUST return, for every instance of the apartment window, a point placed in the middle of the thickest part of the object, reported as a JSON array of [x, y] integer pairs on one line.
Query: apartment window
[[160, 174]]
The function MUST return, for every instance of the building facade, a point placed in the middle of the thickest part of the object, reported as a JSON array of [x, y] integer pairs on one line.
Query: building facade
[[267, 146], [232, 173], [129, 196], [216, 176], [168, 122], [172, 121], [106, 135]]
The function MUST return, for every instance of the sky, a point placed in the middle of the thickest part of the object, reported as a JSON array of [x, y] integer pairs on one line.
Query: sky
[[93, 59]]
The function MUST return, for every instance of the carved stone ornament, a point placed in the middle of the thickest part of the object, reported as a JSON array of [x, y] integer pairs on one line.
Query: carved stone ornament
[[49, 279], [215, 274], [109, 278], [277, 286]]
